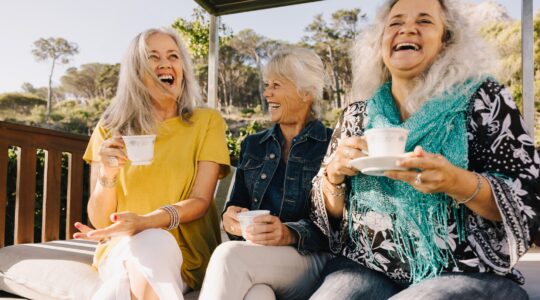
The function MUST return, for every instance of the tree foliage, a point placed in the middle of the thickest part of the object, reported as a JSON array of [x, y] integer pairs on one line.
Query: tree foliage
[[91, 81], [332, 42], [57, 50]]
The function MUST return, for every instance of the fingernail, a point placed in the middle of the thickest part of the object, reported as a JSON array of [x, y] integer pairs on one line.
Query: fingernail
[[115, 218]]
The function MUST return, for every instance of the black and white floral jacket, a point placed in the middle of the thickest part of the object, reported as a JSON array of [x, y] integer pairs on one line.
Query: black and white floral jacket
[[498, 144]]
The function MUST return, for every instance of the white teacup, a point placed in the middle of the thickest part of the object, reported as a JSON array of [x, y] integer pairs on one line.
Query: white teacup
[[246, 218], [140, 148], [386, 141]]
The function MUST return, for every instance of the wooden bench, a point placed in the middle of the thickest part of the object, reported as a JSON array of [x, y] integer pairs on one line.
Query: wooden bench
[[52, 265]]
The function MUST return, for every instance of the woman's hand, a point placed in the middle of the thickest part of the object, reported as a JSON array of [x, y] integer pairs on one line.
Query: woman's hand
[[230, 220], [268, 230], [349, 148], [124, 224], [113, 156], [437, 174]]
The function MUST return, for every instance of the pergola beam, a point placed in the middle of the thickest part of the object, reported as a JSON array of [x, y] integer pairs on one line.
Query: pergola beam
[[213, 61], [527, 63]]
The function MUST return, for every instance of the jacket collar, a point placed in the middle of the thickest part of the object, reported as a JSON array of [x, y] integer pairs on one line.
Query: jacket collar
[[314, 129]]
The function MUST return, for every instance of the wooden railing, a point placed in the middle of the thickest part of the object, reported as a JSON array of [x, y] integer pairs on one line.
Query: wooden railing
[[56, 145]]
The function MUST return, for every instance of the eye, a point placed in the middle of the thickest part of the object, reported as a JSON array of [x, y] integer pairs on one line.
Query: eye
[[174, 57], [153, 57], [425, 21], [266, 85]]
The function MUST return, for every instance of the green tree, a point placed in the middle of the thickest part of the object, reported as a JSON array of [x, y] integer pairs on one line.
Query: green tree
[[91, 81], [332, 42], [255, 48], [58, 50]]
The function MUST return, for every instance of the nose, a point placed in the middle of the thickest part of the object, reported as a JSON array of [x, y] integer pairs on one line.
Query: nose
[[267, 92], [408, 27]]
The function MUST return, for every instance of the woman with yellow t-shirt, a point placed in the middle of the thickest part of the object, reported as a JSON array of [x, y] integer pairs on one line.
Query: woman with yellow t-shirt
[[129, 204]]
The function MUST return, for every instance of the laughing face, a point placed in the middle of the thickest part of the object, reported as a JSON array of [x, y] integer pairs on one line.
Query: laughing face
[[412, 37], [285, 104], [164, 60]]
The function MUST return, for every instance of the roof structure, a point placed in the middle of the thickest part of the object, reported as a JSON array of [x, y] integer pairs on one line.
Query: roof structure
[[225, 7]]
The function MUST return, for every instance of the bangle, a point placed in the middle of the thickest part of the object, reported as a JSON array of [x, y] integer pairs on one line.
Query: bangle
[[474, 194], [107, 182], [173, 215], [340, 187]]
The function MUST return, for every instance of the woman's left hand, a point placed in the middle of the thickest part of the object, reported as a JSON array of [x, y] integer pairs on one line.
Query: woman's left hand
[[437, 174], [268, 230], [124, 224]]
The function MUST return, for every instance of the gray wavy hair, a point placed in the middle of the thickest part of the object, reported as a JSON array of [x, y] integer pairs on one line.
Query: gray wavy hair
[[131, 112], [304, 68], [464, 55]]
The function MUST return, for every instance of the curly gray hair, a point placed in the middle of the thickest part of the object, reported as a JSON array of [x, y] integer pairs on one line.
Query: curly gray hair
[[464, 55]]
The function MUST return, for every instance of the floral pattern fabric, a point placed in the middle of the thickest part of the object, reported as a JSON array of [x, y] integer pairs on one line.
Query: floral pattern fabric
[[501, 150]]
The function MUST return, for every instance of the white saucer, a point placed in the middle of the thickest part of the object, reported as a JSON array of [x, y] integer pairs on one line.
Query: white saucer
[[375, 166]]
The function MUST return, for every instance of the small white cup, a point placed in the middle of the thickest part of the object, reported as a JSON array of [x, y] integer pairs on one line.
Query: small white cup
[[140, 148], [246, 218], [386, 141]]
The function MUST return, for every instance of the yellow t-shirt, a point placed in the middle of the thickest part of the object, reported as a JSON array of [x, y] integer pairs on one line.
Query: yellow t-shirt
[[169, 179]]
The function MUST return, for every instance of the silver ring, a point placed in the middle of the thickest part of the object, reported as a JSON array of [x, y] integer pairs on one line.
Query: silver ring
[[418, 178], [113, 161]]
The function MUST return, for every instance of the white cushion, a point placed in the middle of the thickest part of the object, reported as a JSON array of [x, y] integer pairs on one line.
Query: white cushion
[[53, 270]]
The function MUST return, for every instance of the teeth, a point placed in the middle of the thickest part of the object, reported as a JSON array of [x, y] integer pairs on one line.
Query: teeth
[[274, 105], [165, 77], [402, 45]]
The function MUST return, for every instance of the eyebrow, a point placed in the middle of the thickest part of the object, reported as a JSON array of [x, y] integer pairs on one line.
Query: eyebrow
[[423, 14], [168, 51]]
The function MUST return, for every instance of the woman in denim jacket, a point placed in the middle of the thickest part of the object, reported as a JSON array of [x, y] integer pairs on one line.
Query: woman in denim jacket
[[274, 173]]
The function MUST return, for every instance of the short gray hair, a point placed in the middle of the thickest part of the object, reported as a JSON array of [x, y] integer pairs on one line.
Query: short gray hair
[[464, 55], [304, 68], [131, 111]]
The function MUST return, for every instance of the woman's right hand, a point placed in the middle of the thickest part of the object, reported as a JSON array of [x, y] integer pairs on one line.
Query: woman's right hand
[[230, 220], [339, 167], [113, 156]]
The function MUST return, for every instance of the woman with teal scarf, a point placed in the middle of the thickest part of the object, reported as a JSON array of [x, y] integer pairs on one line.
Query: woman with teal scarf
[[455, 221]]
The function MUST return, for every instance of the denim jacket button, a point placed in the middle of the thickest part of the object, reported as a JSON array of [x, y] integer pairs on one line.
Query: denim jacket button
[[272, 156], [255, 199], [263, 176]]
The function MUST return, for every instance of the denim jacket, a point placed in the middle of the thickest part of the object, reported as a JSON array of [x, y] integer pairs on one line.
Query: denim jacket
[[260, 179]]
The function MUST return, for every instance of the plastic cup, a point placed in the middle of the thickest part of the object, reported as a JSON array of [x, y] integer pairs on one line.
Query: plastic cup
[[140, 148], [246, 218]]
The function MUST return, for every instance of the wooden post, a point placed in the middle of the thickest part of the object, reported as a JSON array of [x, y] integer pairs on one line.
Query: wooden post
[[213, 61], [74, 193], [52, 174], [4, 159], [25, 199], [527, 61]]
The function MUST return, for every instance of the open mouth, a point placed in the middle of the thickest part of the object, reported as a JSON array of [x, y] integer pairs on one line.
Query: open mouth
[[407, 46], [167, 79], [273, 105]]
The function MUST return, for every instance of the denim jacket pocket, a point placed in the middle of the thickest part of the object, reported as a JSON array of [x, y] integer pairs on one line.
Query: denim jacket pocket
[[251, 167]]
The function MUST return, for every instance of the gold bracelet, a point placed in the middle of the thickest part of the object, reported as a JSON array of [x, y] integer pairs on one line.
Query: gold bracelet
[[476, 192]]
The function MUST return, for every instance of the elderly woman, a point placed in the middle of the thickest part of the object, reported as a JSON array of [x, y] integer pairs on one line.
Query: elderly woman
[[158, 223], [274, 173], [453, 224]]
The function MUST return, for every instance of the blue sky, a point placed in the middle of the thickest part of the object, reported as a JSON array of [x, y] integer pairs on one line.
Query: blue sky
[[103, 28]]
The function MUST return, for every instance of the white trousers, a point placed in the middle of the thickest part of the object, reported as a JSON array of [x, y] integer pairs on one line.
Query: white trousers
[[242, 270], [156, 256]]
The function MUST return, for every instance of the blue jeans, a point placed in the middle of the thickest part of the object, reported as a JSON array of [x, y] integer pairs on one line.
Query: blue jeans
[[345, 279]]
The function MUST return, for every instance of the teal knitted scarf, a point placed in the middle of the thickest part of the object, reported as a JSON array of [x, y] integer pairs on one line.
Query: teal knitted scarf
[[417, 223]]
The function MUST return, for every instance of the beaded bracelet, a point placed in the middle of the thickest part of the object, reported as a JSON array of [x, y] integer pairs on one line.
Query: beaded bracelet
[[476, 192], [173, 214], [340, 187]]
